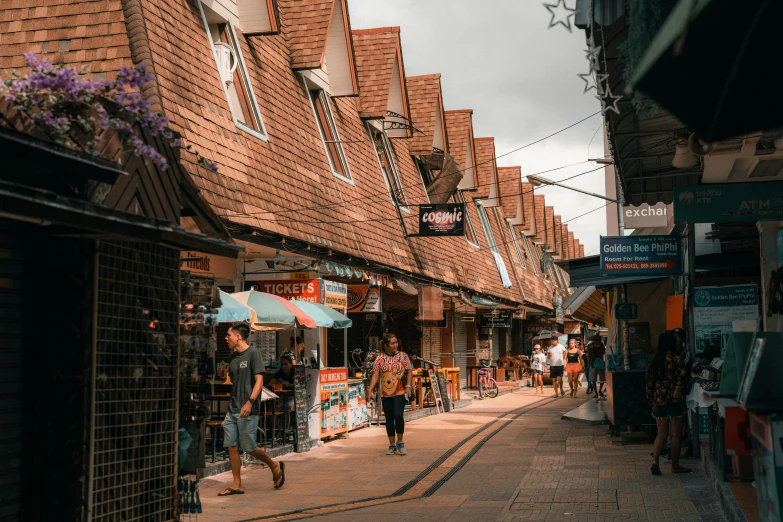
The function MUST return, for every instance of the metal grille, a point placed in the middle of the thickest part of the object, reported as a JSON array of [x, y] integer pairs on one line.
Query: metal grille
[[430, 344], [134, 416], [495, 355], [461, 348]]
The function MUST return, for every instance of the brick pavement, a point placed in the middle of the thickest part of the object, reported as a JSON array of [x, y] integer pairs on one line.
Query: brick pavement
[[531, 466]]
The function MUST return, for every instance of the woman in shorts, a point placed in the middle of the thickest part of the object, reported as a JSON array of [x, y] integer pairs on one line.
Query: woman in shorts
[[573, 366], [664, 382], [537, 365]]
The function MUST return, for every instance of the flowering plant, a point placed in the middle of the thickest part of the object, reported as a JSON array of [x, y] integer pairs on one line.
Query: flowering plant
[[55, 99]]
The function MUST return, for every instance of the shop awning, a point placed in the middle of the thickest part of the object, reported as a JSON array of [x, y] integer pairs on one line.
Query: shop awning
[[586, 271], [585, 305], [323, 315], [232, 310], [274, 311]]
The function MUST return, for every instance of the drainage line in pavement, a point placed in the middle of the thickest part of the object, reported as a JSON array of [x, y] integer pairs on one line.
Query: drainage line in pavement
[[476, 448], [393, 498]]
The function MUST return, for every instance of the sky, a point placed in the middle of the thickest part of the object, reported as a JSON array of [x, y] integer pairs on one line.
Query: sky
[[498, 58]]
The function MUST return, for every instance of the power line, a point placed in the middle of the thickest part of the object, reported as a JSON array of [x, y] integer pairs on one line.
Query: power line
[[278, 212]]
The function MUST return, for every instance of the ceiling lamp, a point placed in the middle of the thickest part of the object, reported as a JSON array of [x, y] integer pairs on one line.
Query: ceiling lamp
[[683, 157]]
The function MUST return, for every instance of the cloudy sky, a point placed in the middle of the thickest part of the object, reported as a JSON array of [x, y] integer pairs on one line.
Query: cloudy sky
[[498, 58]]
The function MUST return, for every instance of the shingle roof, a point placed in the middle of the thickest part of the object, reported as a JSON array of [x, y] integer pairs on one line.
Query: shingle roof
[[425, 99], [528, 208], [581, 250], [305, 24], [460, 127], [557, 244], [376, 51], [486, 167], [510, 188], [550, 226], [541, 232]]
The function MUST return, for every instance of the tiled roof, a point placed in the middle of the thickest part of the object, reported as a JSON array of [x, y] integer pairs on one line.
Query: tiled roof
[[305, 24], [571, 250], [528, 208], [550, 227], [541, 232], [557, 244], [425, 99], [581, 250], [510, 185], [460, 126], [376, 50], [486, 167]]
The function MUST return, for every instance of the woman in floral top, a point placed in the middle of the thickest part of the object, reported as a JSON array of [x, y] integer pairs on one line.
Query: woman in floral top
[[391, 366], [665, 379]]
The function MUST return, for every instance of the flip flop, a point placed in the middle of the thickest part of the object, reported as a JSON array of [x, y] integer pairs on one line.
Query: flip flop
[[280, 477], [231, 491]]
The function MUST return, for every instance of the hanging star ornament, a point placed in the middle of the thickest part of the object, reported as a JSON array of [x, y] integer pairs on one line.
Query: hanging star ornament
[[593, 54], [593, 80], [606, 98], [561, 14]]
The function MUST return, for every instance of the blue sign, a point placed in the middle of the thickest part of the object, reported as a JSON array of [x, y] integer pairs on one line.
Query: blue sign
[[729, 202], [641, 255]]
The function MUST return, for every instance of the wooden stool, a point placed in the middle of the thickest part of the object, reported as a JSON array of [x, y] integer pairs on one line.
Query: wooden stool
[[214, 426]]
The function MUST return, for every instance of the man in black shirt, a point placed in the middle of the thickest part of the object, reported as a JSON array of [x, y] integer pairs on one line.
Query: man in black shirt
[[240, 427]]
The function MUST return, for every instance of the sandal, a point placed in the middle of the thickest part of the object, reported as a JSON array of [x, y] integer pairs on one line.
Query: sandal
[[682, 469], [280, 477], [231, 491], [655, 469]]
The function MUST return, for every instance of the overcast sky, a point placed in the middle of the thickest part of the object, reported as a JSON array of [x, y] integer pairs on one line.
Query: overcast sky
[[498, 58]]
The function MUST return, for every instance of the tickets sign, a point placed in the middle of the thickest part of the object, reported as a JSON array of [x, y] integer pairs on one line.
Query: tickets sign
[[641, 255], [311, 290]]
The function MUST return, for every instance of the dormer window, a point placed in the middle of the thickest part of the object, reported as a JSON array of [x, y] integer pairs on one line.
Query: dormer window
[[232, 71], [319, 101], [515, 242], [470, 232], [504, 278], [388, 168]]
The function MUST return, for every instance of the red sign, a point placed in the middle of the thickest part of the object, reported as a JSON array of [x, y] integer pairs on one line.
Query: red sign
[[333, 375], [304, 290]]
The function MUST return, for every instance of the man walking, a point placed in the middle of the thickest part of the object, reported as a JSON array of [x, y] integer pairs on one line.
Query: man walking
[[240, 427], [556, 364], [596, 351]]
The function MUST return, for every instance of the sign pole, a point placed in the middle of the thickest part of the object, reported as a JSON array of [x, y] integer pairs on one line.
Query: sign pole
[[623, 298]]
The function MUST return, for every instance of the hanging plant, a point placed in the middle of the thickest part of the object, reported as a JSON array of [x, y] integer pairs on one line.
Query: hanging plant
[[84, 114]]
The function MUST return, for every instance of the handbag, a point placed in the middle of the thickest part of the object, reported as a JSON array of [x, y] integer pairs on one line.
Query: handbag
[[599, 364]]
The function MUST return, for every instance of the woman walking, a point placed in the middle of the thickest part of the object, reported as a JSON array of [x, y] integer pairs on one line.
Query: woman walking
[[573, 366], [391, 366], [537, 365], [665, 378]]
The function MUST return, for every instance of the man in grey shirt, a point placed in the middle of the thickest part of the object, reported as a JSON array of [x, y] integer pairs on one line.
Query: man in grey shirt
[[240, 428]]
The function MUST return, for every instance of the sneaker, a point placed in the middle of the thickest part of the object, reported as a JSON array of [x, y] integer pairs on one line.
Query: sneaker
[[401, 449], [392, 449]]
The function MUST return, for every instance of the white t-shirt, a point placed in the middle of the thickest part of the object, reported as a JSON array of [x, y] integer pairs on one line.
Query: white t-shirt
[[556, 352], [538, 362]]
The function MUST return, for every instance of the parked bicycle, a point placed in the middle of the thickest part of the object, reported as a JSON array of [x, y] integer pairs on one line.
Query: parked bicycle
[[487, 386]]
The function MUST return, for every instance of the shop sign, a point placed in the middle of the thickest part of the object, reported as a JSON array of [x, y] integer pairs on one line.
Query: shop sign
[[729, 202], [443, 219], [334, 401], [335, 295], [205, 264], [626, 311], [715, 308], [495, 320], [305, 290], [640, 255], [364, 298], [646, 216]]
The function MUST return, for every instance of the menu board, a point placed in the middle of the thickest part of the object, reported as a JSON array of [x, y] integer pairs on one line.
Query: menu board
[[300, 403], [357, 405], [266, 342], [443, 391], [334, 401]]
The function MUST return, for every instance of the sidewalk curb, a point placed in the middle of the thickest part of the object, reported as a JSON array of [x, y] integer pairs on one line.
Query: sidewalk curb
[[218, 467], [730, 507]]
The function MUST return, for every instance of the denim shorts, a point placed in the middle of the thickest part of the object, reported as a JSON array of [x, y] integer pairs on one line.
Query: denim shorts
[[673, 410], [242, 432]]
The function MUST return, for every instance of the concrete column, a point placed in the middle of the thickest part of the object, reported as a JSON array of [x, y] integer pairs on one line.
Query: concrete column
[[768, 231]]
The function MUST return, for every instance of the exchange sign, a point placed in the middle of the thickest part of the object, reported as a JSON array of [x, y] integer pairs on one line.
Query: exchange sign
[[641, 255]]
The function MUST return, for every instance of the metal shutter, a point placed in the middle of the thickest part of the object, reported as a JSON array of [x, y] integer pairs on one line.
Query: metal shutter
[[496, 344], [430, 344], [12, 266], [134, 439], [461, 348]]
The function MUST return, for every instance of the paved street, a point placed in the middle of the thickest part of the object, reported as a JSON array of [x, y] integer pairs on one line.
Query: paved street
[[510, 458]]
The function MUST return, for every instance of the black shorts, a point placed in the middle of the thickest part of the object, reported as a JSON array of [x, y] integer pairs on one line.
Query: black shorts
[[673, 410], [555, 371]]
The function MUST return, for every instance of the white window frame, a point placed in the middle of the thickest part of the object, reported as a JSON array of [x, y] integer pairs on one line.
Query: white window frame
[[515, 240], [328, 108], [484, 218], [461, 199], [531, 254], [403, 205], [260, 134]]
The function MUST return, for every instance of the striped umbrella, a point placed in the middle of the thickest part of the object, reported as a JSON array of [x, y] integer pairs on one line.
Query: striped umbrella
[[273, 310]]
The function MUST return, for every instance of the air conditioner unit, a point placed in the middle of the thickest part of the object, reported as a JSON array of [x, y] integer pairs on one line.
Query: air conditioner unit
[[227, 62], [467, 319]]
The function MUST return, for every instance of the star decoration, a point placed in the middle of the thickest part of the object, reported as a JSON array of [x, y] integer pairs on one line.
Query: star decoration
[[593, 54], [593, 80], [607, 97], [561, 14]]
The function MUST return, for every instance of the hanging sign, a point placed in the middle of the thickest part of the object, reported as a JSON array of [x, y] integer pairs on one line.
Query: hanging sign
[[496, 320], [732, 202], [335, 295], [442, 219], [625, 311], [715, 308], [646, 216], [364, 298], [310, 290], [640, 255]]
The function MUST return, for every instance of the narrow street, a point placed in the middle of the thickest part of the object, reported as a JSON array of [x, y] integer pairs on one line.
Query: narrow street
[[509, 458]]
